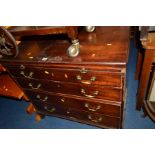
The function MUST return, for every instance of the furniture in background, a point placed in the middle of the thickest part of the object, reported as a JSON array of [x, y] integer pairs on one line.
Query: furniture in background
[[140, 36], [8, 87], [145, 65], [70, 31], [88, 86], [149, 104]]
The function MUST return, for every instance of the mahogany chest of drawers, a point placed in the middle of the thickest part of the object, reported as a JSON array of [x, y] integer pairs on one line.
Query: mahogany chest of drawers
[[89, 88]]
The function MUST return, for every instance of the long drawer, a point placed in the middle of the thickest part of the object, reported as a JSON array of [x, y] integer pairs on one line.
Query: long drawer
[[105, 108], [88, 91], [83, 75], [82, 116]]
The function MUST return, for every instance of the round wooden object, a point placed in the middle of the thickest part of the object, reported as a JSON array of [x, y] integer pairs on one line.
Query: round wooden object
[[8, 46]]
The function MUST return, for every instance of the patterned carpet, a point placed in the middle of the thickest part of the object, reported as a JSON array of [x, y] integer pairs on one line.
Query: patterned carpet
[[13, 113]]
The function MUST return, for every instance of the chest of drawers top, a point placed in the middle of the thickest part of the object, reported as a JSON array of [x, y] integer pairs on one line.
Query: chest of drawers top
[[104, 45]]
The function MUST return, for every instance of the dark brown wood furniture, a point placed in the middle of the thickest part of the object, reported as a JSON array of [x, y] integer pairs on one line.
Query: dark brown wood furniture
[[8, 47], [146, 61], [71, 31], [145, 72], [17, 31], [8, 87], [149, 103], [88, 88]]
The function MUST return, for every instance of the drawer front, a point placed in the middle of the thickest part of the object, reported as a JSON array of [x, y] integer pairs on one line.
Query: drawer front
[[82, 76], [105, 108], [98, 119], [82, 116], [98, 92]]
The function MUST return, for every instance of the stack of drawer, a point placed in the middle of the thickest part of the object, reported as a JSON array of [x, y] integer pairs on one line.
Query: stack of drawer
[[87, 89], [84, 94]]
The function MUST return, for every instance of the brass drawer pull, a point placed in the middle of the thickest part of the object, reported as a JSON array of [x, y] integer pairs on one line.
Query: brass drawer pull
[[49, 110], [27, 76], [83, 71], [92, 109], [38, 86], [95, 93], [45, 99], [93, 78], [96, 120]]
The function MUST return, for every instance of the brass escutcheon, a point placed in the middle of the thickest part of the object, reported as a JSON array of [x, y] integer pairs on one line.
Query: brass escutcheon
[[22, 67]]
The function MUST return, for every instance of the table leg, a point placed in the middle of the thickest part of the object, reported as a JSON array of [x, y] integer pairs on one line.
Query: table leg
[[148, 58], [30, 109], [139, 65], [25, 98], [39, 117]]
